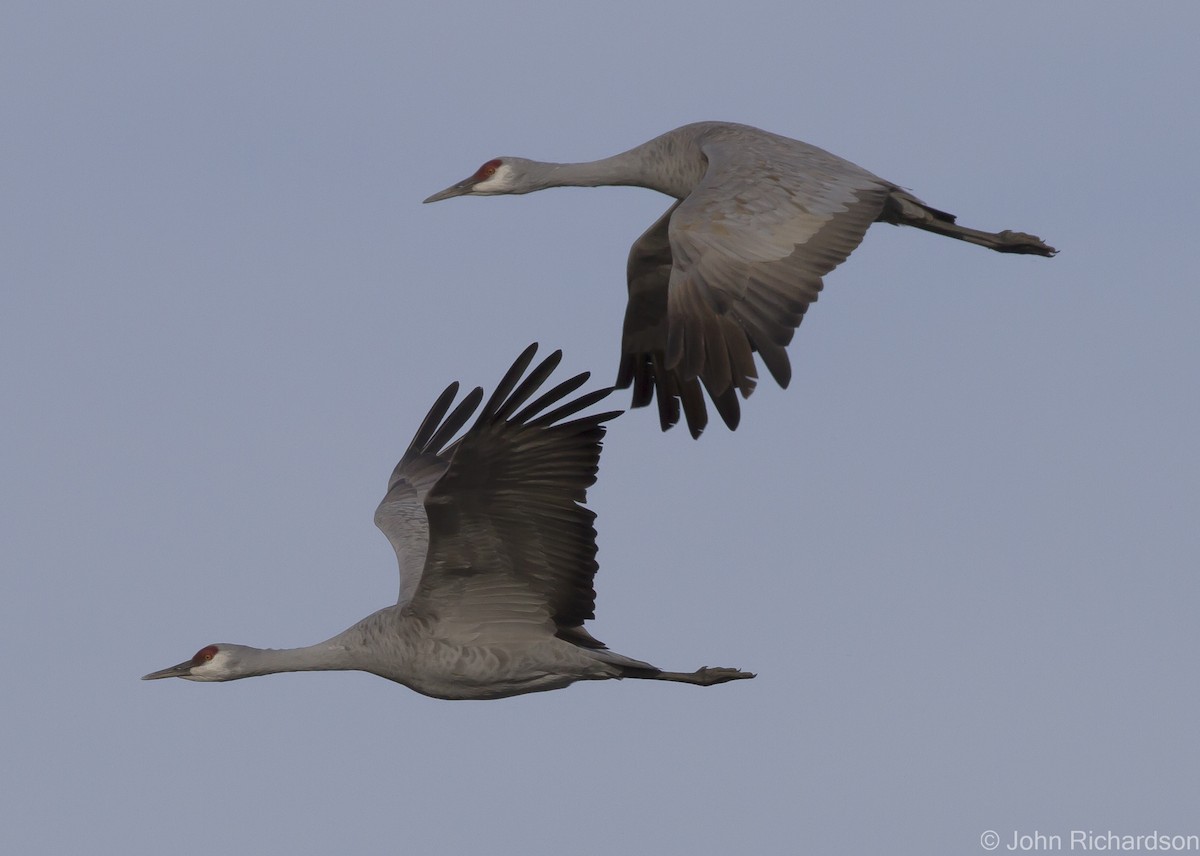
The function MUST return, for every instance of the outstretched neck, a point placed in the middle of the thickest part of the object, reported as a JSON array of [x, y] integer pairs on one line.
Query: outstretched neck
[[617, 170], [645, 166], [330, 655]]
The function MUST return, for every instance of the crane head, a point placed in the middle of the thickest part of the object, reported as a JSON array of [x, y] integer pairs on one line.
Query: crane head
[[210, 663], [497, 176]]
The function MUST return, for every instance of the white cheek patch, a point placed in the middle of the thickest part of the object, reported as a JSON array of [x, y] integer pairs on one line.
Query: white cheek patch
[[499, 182], [210, 670]]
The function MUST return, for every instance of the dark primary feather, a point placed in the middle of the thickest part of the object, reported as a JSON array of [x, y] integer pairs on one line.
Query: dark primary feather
[[644, 341], [507, 500]]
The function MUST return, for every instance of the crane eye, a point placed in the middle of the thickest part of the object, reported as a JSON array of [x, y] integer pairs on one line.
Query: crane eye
[[487, 170], [204, 655]]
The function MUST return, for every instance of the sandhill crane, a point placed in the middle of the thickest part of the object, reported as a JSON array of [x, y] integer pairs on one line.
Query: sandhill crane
[[497, 556], [731, 267]]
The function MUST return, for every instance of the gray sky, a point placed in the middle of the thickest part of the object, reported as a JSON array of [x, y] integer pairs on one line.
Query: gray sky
[[961, 551]]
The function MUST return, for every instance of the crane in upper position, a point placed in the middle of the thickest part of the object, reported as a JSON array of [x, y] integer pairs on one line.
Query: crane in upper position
[[497, 555], [733, 264]]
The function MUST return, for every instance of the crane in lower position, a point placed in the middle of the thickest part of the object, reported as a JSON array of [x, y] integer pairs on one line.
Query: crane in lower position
[[497, 555], [733, 264]]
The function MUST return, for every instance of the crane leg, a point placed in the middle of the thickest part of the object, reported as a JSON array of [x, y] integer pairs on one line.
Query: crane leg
[[705, 677], [904, 209]]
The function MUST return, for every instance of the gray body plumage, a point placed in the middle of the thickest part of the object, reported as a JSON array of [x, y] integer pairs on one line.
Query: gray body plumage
[[496, 552], [731, 267]]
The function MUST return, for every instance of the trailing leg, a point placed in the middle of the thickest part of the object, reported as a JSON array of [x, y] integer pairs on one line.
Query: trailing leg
[[904, 209], [705, 677]]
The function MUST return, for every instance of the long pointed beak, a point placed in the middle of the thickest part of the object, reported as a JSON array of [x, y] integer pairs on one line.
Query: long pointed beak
[[453, 190], [182, 670]]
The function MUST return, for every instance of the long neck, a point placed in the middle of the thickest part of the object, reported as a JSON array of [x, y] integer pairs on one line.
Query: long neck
[[617, 170], [330, 655], [652, 165]]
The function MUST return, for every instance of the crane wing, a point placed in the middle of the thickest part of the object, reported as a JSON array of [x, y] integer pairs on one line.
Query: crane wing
[[746, 250], [401, 514], [508, 536], [644, 340]]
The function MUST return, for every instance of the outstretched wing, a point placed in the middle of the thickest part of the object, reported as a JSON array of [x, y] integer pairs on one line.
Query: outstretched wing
[[509, 536], [748, 248]]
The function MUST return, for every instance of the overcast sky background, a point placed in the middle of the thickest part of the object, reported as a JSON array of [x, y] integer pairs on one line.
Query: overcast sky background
[[961, 551]]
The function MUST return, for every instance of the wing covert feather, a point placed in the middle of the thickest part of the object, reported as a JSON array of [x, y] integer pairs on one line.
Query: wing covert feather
[[751, 243], [731, 269]]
